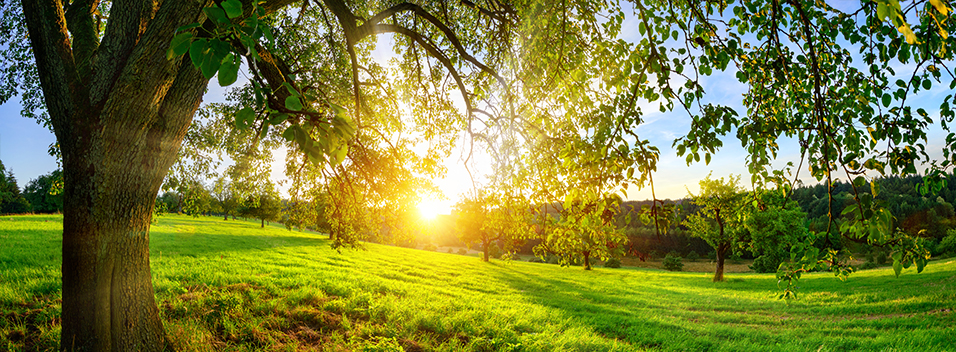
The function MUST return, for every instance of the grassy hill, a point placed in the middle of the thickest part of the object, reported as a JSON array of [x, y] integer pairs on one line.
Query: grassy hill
[[229, 285]]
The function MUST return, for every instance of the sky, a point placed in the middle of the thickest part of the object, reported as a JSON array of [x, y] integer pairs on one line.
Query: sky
[[24, 143]]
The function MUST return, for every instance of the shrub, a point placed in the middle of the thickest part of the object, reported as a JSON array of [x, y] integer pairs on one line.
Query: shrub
[[673, 253], [462, 251], [612, 263], [553, 259], [867, 265], [494, 251], [673, 263], [767, 263], [948, 244], [653, 254], [536, 260], [430, 247], [693, 256], [510, 256], [449, 250]]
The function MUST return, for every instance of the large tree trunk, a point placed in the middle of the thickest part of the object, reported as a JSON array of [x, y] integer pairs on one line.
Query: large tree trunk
[[485, 246], [722, 250], [119, 109], [587, 260]]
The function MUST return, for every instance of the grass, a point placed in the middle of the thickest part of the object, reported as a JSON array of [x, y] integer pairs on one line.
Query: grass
[[229, 285]]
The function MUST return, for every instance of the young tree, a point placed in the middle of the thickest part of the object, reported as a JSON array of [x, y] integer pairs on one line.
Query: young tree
[[719, 220], [265, 205], [774, 224]]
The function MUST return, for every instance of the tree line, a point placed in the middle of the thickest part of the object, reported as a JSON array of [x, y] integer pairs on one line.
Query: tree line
[[41, 195]]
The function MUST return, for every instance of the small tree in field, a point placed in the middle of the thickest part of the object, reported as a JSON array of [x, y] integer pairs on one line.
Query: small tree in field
[[775, 225], [718, 221], [473, 216]]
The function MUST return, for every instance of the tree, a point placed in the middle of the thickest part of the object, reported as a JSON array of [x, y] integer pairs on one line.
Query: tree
[[11, 201], [719, 219], [265, 206], [774, 224], [120, 95], [471, 223], [45, 192]]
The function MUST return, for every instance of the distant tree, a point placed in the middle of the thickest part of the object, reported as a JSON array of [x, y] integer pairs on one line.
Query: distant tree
[[775, 224], [718, 220], [11, 201], [170, 201], [265, 206], [471, 223], [45, 193]]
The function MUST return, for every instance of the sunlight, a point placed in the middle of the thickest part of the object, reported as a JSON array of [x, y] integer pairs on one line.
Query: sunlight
[[430, 208]]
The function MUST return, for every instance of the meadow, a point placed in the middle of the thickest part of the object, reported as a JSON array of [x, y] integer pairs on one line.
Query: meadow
[[231, 286]]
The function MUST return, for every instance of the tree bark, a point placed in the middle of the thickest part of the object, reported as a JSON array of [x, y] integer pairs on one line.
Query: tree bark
[[587, 260], [485, 246], [721, 256], [263, 224], [119, 110]]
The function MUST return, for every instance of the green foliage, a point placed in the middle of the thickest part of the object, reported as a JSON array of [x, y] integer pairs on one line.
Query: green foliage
[[775, 224], [431, 247], [693, 256], [612, 263], [673, 263], [44, 193], [462, 251], [11, 201], [948, 244]]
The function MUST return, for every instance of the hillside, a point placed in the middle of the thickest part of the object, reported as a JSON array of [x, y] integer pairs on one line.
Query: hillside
[[229, 285]]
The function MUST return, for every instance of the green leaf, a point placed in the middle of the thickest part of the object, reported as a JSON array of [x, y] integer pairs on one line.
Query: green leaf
[[278, 118], [927, 84], [339, 154], [229, 70], [289, 133], [886, 100], [293, 103], [197, 50], [245, 117], [180, 45], [216, 14], [897, 267], [188, 27], [233, 8]]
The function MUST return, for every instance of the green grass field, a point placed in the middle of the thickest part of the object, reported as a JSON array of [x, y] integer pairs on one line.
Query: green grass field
[[229, 285]]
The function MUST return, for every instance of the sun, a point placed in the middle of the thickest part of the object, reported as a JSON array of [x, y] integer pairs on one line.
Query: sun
[[430, 208]]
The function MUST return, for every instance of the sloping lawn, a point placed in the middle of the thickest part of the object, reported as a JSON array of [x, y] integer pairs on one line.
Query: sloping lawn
[[229, 285]]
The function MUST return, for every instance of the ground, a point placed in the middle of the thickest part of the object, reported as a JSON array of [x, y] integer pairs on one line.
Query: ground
[[229, 285]]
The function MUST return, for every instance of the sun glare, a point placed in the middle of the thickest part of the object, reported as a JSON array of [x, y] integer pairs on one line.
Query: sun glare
[[431, 208]]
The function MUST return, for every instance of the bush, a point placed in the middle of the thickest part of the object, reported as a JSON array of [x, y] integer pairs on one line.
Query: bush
[[673, 263], [494, 251], [693, 256], [867, 265], [536, 260], [510, 256], [553, 259], [673, 253], [462, 251], [430, 247], [653, 254], [612, 263], [449, 250], [948, 244], [767, 263]]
